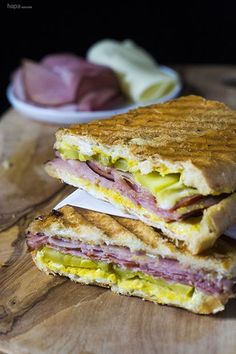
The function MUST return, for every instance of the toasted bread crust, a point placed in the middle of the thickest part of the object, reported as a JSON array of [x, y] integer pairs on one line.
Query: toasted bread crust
[[200, 303], [98, 228], [214, 223], [190, 135]]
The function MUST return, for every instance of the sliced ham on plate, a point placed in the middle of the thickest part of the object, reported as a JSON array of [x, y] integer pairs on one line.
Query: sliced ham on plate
[[67, 82], [46, 87]]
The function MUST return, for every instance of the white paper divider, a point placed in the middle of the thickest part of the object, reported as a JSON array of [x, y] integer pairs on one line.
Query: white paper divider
[[84, 200]]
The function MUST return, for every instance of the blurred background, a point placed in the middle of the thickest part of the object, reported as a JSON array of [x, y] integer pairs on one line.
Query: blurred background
[[199, 32]]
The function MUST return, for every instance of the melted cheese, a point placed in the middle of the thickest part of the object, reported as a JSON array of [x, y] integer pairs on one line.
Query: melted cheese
[[128, 280]]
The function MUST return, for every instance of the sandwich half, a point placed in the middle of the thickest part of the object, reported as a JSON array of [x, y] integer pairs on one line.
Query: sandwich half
[[172, 165], [132, 259]]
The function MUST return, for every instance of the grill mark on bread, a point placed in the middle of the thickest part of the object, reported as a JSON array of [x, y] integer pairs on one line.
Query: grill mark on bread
[[175, 118], [145, 133], [160, 119], [209, 128], [106, 223], [140, 230]]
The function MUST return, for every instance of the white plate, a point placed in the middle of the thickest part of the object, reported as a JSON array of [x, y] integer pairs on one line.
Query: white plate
[[68, 117]]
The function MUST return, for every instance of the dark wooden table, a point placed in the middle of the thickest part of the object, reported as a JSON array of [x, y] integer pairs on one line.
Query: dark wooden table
[[45, 314]]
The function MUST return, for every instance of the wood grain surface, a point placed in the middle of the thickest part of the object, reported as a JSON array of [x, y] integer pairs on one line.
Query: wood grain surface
[[46, 314], [24, 147]]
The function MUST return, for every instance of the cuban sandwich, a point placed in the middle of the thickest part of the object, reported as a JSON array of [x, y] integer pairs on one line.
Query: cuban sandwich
[[132, 258], [172, 165]]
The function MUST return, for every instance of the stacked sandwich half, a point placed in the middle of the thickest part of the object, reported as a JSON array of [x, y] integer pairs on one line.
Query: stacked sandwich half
[[171, 165]]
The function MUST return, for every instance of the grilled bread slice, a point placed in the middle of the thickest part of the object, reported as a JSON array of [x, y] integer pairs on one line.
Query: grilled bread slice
[[190, 135], [132, 259]]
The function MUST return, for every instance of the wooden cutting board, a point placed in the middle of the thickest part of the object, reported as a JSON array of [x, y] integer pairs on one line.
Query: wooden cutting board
[[45, 314]]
